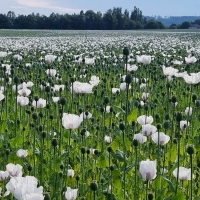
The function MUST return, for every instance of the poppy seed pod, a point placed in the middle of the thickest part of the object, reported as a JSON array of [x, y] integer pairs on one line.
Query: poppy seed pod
[[47, 197], [194, 98], [179, 117], [34, 115], [54, 142], [30, 168], [77, 178], [16, 79], [150, 196], [190, 150], [166, 125], [167, 116], [121, 126], [197, 103], [106, 100], [41, 114], [173, 99], [128, 79], [135, 143], [126, 51], [47, 89], [44, 134], [158, 126], [109, 149], [83, 151], [96, 152], [63, 101], [93, 186]]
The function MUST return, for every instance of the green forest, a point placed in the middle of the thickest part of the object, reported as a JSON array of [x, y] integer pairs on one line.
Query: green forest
[[112, 19]]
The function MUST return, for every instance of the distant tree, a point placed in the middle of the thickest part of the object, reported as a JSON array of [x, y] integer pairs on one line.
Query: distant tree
[[151, 24], [132, 24], [185, 25], [197, 21], [4, 21], [160, 24], [173, 26]]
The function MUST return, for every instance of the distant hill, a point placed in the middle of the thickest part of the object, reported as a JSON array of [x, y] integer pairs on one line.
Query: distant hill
[[167, 21]]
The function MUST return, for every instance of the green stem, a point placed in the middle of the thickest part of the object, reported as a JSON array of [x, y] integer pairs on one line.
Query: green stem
[[191, 166], [147, 190], [177, 178]]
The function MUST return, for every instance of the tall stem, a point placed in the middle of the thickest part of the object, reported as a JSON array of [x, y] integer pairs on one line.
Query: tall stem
[[191, 166]]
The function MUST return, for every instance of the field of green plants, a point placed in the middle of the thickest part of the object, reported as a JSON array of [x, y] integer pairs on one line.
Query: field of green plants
[[99, 115]]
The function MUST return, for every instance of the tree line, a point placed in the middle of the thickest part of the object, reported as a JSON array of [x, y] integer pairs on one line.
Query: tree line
[[113, 19]]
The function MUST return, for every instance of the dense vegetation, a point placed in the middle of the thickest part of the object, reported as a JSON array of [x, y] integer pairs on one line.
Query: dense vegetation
[[99, 115], [113, 19], [168, 21]]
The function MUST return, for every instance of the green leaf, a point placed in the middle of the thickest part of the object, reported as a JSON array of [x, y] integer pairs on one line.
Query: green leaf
[[120, 109], [102, 161], [128, 169], [171, 185], [116, 143], [132, 116], [120, 156], [179, 196], [117, 182], [110, 196]]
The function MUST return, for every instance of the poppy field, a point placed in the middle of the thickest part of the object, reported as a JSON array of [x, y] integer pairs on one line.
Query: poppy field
[[99, 115]]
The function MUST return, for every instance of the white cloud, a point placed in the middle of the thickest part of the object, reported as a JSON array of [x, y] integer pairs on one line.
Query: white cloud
[[46, 5], [18, 7]]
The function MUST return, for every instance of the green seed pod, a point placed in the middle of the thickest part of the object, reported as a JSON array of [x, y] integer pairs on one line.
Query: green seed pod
[[44, 134], [106, 100], [173, 99], [83, 151], [47, 197], [190, 149], [16, 79], [128, 79], [179, 117], [54, 142], [34, 115], [121, 126], [126, 51], [109, 149], [63, 101], [93, 186], [135, 143], [166, 125], [30, 168], [150, 196]]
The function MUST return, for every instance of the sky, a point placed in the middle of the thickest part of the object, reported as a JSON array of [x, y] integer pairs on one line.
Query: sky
[[148, 7]]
